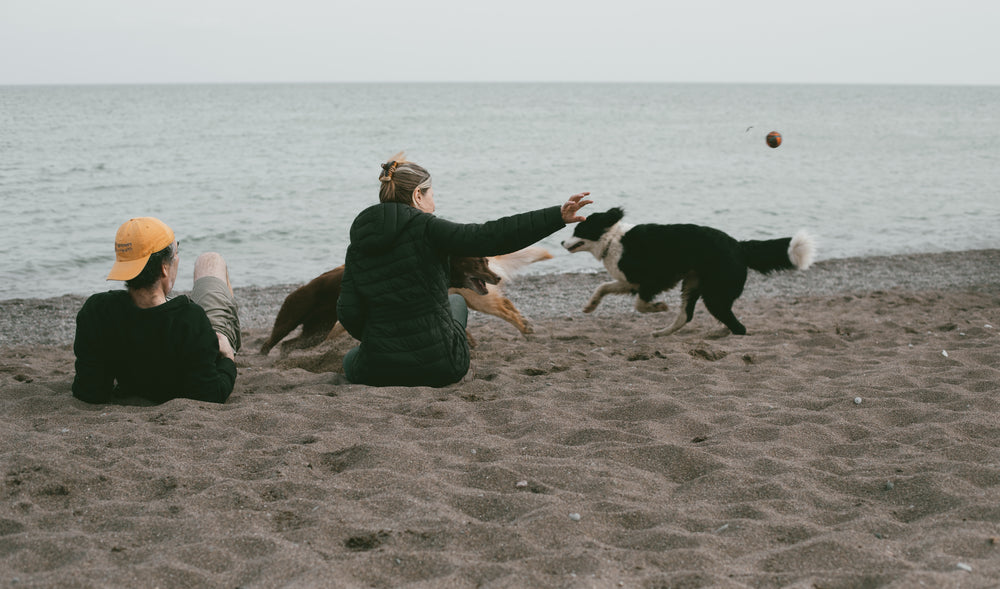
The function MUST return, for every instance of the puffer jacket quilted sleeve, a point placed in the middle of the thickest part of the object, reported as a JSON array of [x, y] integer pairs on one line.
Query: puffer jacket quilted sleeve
[[394, 295]]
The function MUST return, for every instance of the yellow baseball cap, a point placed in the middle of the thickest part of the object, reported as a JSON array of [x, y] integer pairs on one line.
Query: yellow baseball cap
[[136, 240]]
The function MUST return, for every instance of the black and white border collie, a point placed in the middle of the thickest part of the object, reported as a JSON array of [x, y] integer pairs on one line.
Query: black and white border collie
[[649, 259]]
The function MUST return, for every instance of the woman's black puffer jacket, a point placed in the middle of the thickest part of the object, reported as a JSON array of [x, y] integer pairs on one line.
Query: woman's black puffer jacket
[[394, 296]]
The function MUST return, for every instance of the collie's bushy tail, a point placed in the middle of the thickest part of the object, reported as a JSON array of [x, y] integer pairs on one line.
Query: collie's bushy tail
[[786, 253], [507, 264]]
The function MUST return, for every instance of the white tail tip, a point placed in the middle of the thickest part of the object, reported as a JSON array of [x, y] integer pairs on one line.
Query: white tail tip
[[802, 250]]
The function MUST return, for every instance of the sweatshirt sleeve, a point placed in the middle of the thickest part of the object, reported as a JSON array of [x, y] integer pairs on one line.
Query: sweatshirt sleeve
[[94, 379], [493, 238], [209, 376]]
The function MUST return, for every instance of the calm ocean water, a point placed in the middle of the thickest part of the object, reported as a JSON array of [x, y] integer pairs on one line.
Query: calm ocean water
[[271, 176]]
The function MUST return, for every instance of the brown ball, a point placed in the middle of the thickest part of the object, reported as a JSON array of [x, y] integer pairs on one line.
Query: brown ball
[[774, 139]]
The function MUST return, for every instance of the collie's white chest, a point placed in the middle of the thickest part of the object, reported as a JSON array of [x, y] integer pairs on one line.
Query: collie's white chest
[[612, 250]]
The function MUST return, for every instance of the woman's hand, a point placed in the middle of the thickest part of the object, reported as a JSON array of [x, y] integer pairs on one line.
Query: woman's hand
[[574, 204]]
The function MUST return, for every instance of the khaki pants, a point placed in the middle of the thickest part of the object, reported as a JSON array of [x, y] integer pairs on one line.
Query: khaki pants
[[212, 294]]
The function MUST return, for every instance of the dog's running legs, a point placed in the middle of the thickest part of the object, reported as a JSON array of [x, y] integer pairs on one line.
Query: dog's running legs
[[644, 302], [644, 306], [336, 331], [615, 287], [689, 296], [510, 314], [722, 309]]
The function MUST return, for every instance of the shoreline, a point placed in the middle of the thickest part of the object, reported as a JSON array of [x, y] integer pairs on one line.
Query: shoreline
[[51, 321]]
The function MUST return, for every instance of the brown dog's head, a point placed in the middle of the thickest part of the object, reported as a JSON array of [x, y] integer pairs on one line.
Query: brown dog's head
[[472, 273]]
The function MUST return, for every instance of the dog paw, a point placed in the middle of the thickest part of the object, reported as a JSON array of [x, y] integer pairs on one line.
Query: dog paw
[[719, 333], [664, 332], [650, 307]]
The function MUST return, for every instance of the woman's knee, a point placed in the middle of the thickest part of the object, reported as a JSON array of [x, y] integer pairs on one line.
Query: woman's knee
[[459, 308], [348, 363]]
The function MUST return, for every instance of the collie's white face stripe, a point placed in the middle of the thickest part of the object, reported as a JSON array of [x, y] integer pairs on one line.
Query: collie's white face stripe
[[607, 249], [576, 244]]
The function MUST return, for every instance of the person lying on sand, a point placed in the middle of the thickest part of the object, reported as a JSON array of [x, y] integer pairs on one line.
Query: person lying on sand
[[137, 343]]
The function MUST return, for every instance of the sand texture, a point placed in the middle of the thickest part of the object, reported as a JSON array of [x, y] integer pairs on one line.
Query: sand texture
[[851, 439]]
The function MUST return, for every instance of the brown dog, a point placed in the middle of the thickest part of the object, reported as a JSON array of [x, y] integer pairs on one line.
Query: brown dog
[[472, 274], [493, 302], [314, 305]]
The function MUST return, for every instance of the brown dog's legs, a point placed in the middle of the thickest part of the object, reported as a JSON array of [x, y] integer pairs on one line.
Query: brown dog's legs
[[498, 305], [509, 313], [337, 331], [313, 306], [289, 317]]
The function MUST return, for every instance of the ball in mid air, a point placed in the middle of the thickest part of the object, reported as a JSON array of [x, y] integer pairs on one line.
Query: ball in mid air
[[774, 139]]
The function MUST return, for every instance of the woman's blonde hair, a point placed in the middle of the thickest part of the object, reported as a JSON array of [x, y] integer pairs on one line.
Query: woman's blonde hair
[[400, 179]]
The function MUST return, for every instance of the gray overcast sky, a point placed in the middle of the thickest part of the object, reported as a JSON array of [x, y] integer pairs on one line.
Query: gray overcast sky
[[766, 41]]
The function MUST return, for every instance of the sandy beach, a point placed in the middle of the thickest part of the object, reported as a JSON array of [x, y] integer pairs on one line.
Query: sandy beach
[[851, 439]]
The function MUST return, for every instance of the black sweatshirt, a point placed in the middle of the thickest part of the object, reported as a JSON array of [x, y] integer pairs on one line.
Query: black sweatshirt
[[394, 297], [160, 353]]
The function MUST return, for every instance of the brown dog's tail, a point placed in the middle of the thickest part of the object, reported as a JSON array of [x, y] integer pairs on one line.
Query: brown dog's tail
[[507, 264]]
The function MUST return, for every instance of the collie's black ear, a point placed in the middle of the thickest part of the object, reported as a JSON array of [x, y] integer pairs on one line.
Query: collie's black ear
[[616, 214]]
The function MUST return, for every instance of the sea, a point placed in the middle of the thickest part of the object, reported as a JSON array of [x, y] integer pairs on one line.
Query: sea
[[271, 175]]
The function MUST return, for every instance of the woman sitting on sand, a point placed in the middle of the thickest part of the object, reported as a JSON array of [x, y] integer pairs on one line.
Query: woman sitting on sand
[[394, 297]]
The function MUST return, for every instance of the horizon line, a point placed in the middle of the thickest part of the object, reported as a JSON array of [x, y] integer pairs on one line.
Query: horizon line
[[496, 82]]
